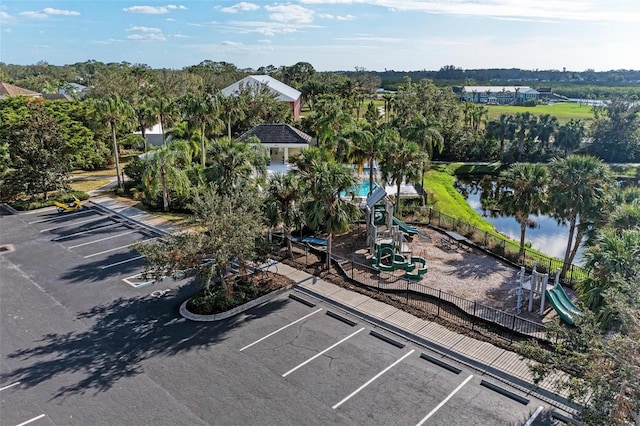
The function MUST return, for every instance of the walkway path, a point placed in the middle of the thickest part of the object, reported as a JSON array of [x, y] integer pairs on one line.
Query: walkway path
[[489, 359]]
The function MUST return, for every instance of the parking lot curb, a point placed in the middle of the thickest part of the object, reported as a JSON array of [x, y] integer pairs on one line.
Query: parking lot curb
[[232, 312], [523, 386]]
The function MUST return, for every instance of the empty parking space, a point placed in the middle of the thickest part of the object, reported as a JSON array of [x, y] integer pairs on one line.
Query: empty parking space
[[370, 380], [103, 242]]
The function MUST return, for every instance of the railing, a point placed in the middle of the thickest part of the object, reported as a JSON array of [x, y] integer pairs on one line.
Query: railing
[[503, 247], [436, 302]]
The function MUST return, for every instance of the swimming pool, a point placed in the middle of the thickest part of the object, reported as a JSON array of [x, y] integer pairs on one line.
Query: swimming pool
[[362, 190]]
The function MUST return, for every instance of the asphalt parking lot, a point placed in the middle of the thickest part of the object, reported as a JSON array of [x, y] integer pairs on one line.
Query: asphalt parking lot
[[85, 342]]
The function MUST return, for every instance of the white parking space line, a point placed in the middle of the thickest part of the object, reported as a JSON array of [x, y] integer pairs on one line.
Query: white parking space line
[[322, 353], [71, 224], [372, 379], [102, 239], [137, 285], [280, 329], [46, 209], [111, 265], [88, 231], [51, 219], [31, 420], [119, 248], [9, 386], [534, 416], [444, 401]]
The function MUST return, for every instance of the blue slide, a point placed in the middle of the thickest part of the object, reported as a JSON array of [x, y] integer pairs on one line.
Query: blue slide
[[562, 304]]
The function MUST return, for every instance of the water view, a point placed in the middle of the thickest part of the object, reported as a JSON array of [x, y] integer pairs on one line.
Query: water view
[[547, 237]]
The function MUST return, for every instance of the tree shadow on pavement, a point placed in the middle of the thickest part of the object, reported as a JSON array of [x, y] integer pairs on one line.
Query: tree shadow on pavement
[[120, 336]]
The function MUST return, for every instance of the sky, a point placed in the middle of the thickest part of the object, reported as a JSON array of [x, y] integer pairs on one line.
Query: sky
[[332, 35]]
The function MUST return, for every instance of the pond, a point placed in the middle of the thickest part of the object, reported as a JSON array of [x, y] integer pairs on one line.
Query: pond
[[548, 236]]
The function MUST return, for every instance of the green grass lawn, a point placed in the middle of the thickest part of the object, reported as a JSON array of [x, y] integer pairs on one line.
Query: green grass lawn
[[88, 185], [439, 183], [562, 111]]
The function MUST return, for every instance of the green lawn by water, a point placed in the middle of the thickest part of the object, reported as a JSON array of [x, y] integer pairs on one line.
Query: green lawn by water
[[564, 111]]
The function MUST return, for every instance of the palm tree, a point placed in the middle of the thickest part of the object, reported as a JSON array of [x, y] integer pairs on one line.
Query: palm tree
[[235, 110], [402, 161], [202, 112], [233, 163], [115, 111], [425, 133], [570, 136], [324, 209], [613, 260], [331, 120], [145, 118], [579, 186], [547, 127], [165, 109], [283, 203], [164, 171], [360, 140], [528, 195], [502, 129]]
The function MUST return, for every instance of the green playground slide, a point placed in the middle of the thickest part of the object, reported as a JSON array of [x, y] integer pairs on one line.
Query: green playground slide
[[404, 227], [562, 304]]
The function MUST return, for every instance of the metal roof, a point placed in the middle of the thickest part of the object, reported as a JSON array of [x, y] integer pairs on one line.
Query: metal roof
[[281, 90]]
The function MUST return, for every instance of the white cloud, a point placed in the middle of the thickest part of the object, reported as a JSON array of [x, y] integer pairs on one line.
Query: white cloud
[[154, 10], [47, 12], [265, 28], [145, 29], [345, 18], [170, 20], [5, 18], [240, 7], [231, 43], [371, 38], [34, 15], [146, 36], [51, 11], [570, 10], [290, 13], [145, 33], [180, 36]]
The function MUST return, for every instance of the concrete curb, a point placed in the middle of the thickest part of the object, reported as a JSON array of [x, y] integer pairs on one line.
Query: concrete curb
[[232, 312], [522, 385]]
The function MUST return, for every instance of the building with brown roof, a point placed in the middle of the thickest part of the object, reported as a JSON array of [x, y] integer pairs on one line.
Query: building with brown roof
[[282, 140], [7, 90]]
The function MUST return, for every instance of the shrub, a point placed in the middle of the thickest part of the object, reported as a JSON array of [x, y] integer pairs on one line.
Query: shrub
[[33, 204]]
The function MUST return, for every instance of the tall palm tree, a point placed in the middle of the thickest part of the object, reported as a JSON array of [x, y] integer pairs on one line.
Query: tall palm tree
[[283, 203], [324, 209], [579, 187], [402, 162], [547, 127], [165, 109], [164, 171], [613, 260], [528, 195], [502, 129], [233, 163], [145, 118], [424, 131], [570, 136], [235, 110], [332, 119], [360, 139], [202, 112], [114, 111]]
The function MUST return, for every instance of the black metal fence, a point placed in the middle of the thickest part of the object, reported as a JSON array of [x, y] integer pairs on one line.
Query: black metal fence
[[501, 246], [472, 315]]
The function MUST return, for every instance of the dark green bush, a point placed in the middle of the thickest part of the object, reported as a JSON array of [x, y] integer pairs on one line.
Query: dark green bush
[[24, 205]]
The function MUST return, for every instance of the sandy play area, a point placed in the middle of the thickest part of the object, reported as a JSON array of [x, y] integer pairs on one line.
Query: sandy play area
[[461, 271]]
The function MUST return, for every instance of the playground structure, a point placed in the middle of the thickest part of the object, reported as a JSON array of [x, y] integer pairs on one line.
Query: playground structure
[[537, 284], [385, 238]]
